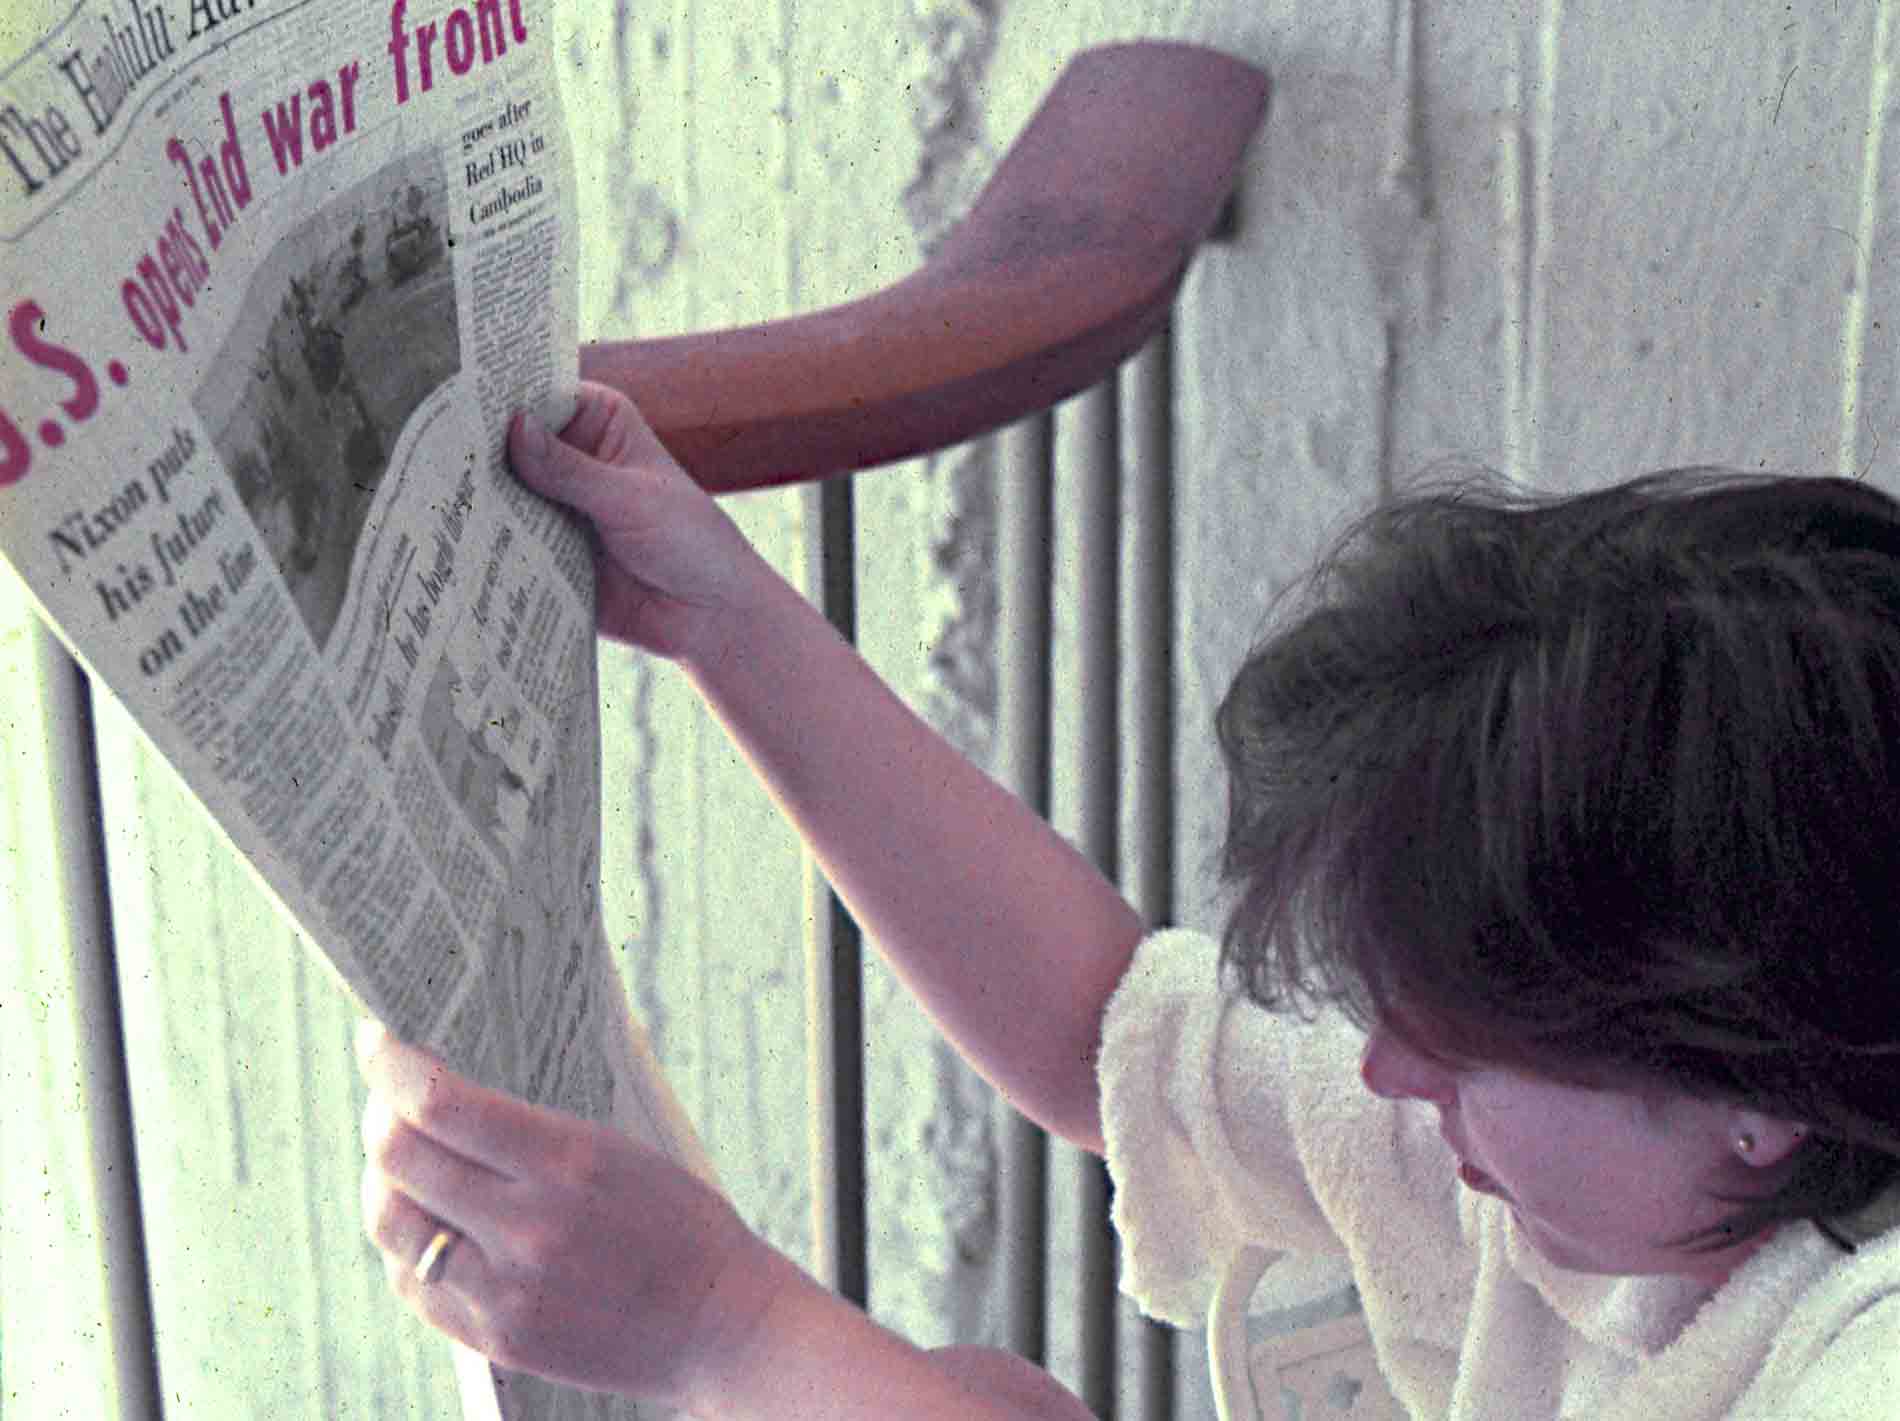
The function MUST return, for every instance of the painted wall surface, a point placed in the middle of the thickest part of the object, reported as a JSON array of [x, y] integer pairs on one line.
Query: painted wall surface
[[1572, 240]]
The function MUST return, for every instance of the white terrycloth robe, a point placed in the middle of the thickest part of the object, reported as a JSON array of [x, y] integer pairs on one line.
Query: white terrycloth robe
[[1230, 1129]]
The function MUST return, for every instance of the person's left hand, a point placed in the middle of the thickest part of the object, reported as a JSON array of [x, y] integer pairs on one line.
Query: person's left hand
[[583, 1255]]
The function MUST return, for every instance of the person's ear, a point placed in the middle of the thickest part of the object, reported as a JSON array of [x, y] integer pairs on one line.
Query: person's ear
[[1764, 1140]]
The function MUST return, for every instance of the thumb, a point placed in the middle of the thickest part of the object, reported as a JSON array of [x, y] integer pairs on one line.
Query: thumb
[[592, 464], [551, 467]]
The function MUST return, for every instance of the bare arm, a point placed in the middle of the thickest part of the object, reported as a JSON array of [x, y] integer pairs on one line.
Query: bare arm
[[866, 1372], [1008, 936], [1011, 940]]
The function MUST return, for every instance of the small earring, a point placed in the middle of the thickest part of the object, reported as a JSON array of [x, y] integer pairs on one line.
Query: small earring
[[1745, 1142]]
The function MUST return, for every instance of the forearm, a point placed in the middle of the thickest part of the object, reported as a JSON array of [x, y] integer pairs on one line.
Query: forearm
[[814, 1357], [1009, 937]]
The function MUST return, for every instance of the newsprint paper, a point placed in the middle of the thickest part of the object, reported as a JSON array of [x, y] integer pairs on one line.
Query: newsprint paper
[[277, 273]]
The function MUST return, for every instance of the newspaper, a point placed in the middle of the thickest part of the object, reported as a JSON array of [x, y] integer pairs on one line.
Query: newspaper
[[277, 273]]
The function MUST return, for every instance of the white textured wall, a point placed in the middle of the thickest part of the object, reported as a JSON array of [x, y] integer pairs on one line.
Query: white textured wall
[[1573, 240]]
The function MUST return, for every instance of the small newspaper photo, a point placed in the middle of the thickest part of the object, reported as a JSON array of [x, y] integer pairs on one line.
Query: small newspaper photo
[[277, 275]]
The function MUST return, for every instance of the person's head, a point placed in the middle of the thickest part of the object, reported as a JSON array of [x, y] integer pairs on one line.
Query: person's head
[[1592, 805]]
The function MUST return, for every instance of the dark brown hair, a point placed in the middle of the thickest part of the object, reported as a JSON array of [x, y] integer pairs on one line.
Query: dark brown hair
[[1605, 788]]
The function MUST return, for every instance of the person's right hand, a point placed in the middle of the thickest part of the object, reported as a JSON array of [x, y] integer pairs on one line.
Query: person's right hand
[[675, 573]]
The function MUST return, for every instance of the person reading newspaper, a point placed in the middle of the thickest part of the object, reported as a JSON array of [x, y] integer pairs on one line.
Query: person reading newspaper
[[1560, 992]]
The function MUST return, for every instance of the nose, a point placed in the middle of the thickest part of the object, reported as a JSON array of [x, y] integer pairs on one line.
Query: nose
[[1394, 1071]]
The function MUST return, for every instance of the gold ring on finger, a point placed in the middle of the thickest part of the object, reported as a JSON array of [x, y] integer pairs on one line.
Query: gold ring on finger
[[434, 1259]]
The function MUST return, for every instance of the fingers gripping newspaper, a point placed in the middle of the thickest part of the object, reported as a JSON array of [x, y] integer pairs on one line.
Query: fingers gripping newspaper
[[277, 273]]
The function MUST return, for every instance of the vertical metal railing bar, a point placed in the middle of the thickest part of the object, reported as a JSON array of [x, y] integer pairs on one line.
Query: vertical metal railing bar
[[1024, 525], [834, 970], [67, 725], [1096, 756], [1147, 772]]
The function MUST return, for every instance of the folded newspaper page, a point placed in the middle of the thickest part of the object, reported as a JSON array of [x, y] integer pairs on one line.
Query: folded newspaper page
[[276, 275]]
